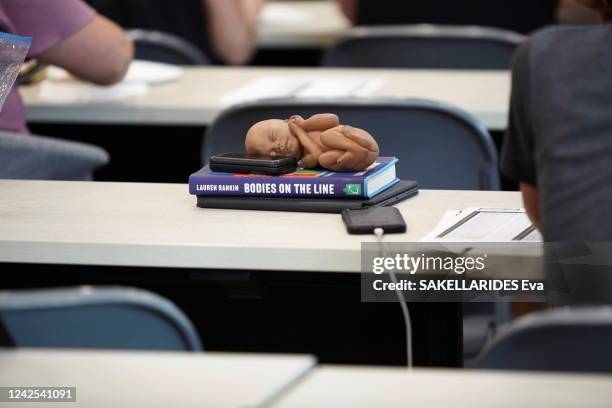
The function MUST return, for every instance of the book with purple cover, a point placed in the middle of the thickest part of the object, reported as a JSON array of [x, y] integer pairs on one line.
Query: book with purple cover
[[303, 183]]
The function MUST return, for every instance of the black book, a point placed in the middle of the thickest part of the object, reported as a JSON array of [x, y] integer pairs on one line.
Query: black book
[[396, 194]]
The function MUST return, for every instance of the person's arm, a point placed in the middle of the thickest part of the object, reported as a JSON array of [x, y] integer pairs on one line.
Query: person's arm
[[233, 28], [349, 9], [531, 200], [100, 53]]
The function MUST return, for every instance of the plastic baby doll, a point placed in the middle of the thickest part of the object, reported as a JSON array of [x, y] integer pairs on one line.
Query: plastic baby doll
[[316, 141]]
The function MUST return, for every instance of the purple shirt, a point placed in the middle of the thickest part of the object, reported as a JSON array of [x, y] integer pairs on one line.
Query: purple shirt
[[48, 22]]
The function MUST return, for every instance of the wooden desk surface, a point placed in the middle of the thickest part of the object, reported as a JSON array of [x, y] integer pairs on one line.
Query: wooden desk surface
[[301, 24], [390, 388], [196, 98], [150, 380], [127, 224]]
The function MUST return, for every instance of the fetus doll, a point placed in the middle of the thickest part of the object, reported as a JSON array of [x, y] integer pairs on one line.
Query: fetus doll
[[319, 141]]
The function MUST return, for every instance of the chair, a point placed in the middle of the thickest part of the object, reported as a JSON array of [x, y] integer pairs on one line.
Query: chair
[[101, 318], [159, 46], [439, 146], [425, 47], [36, 157], [478, 328], [568, 339]]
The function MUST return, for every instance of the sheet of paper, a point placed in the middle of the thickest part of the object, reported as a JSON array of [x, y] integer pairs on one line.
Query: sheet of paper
[[139, 71], [302, 87], [61, 87], [280, 14], [153, 72], [265, 87], [77, 92], [334, 87], [484, 225]]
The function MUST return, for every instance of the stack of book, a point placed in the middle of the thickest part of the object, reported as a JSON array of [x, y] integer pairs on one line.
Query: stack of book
[[304, 190]]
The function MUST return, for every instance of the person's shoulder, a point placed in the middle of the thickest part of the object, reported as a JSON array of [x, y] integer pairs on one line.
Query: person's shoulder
[[552, 44], [554, 41], [562, 33]]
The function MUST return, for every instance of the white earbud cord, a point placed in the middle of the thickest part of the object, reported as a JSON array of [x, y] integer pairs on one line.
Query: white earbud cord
[[379, 232]]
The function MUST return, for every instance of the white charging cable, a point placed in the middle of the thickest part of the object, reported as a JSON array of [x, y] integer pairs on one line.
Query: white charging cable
[[379, 232]]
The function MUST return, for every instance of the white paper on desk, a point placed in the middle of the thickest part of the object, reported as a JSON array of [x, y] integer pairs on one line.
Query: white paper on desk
[[153, 73], [149, 72], [302, 87], [477, 224], [339, 87], [265, 87], [61, 87], [282, 14], [77, 92]]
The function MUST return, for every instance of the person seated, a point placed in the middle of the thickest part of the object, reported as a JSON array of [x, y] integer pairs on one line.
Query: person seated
[[319, 141], [523, 16], [558, 145], [68, 34], [224, 30]]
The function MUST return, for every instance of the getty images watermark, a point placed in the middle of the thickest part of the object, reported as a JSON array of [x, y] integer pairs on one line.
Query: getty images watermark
[[454, 272]]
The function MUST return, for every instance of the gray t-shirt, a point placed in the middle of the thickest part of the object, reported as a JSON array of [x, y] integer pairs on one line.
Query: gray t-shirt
[[559, 136]]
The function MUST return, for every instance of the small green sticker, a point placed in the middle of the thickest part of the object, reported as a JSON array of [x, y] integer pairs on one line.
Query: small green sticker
[[352, 189]]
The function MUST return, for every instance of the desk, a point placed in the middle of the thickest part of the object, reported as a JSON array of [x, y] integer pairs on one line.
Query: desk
[[114, 225], [389, 388], [301, 24], [159, 225], [122, 379], [196, 99]]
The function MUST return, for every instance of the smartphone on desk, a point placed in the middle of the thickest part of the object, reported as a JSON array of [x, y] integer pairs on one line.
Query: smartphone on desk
[[253, 163], [366, 221]]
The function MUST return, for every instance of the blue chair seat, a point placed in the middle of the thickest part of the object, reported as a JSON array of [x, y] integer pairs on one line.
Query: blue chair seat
[[568, 340], [100, 318]]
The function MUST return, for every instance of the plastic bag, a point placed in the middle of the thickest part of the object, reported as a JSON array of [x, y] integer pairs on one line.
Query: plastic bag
[[13, 51]]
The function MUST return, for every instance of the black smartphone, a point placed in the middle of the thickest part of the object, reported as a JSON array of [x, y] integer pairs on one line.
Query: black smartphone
[[253, 163], [366, 221]]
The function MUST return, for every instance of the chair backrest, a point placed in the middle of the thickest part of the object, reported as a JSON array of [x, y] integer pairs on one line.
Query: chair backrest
[[101, 318], [425, 47], [43, 158], [164, 47], [568, 339], [438, 146]]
